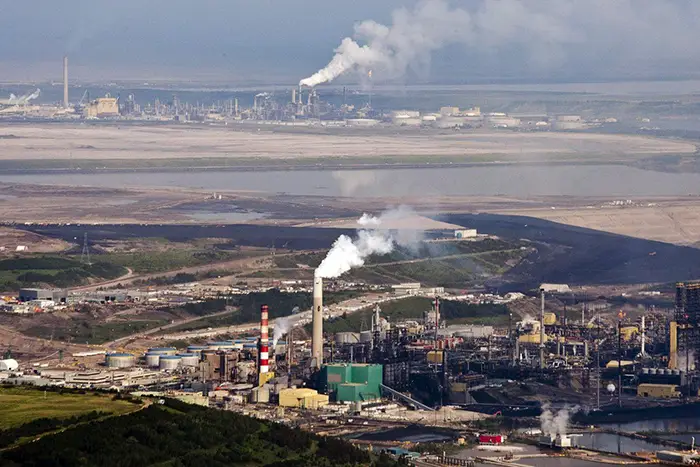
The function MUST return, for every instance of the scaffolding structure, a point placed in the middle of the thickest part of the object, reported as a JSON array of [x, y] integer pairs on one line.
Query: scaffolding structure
[[687, 318]]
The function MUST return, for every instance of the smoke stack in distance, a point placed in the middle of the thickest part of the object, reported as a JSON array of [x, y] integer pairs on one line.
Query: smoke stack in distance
[[317, 323]]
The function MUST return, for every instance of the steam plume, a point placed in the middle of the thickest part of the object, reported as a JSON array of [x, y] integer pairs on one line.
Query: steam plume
[[542, 33], [282, 327], [347, 253], [554, 424]]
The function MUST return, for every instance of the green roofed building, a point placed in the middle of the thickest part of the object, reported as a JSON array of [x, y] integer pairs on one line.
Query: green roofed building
[[345, 382]]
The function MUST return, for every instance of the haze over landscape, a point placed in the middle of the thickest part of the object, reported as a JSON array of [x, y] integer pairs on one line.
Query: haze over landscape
[[272, 42], [295, 233]]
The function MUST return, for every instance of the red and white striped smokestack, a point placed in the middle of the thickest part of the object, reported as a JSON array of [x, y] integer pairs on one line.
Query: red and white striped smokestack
[[264, 341]]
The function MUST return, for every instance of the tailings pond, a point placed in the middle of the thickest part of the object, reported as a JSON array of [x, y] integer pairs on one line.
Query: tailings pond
[[493, 180]]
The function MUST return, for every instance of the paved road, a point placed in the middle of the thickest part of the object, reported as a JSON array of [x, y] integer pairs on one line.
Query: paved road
[[300, 319], [123, 340]]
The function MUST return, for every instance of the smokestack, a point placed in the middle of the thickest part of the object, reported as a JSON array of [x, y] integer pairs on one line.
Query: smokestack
[[673, 346], [264, 341], [317, 325], [294, 95], [542, 330], [65, 81], [643, 351]]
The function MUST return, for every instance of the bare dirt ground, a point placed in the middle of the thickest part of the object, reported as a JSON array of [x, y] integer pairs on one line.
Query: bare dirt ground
[[668, 219], [188, 142], [10, 239]]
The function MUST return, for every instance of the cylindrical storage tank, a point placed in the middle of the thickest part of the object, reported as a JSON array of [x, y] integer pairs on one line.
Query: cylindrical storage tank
[[366, 336], [119, 360], [677, 372], [170, 362], [189, 359], [668, 372], [221, 345], [152, 359], [347, 338], [645, 371], [196, 348], [162, 350], [652, 371]]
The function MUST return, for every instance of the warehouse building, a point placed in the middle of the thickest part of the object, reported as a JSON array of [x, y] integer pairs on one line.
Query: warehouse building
[[56, 295], [302, 398]]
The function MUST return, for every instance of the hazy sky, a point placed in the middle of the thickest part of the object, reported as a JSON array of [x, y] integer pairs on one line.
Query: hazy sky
[[285, 40]]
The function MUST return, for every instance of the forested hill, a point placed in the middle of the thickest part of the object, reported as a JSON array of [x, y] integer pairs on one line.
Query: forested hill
[[181, 435]]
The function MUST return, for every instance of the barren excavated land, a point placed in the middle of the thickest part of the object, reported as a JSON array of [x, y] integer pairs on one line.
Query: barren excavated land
[[85, 149], [149, 142]]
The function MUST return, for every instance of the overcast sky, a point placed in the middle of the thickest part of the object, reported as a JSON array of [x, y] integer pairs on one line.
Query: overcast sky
[[285, 40]]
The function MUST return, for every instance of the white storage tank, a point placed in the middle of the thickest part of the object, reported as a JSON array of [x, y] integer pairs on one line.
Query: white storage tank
[[9, 364], [196, 348], [162, 350], [347, 338], [366, 336], [119, 360], [152, 359], [170, 362], [189, 359]]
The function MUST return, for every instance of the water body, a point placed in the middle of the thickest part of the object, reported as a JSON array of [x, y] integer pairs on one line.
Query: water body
[[615, 443], [520, 181], [225, 217], [669, 425]]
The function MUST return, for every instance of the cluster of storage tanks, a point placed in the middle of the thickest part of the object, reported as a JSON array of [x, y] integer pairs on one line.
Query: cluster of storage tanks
[[169, 359]]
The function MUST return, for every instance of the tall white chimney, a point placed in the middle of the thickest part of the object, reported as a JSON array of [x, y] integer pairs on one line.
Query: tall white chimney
[[317, 324]]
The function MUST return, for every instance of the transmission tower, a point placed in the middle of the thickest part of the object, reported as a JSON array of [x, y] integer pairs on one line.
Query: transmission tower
[[85, 255]]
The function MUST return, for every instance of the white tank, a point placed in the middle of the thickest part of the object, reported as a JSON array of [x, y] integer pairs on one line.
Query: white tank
[[366, 336], [189, 359], [347, 338], [119, 360], [170, 362], [152, 360], [162, 350]]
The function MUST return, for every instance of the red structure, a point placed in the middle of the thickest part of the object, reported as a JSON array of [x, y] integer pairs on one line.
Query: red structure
[[264, 341], [492, 439]]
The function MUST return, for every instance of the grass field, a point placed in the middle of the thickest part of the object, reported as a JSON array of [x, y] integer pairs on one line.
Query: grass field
[[19, 406]]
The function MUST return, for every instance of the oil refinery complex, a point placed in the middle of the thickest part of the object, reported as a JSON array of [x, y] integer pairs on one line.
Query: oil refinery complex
[[588, 354], [302, 106]]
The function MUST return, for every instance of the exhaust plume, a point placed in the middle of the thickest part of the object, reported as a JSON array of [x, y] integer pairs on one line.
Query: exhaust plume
[[347, 253], [554, 424], [539, 33], [282, 327]]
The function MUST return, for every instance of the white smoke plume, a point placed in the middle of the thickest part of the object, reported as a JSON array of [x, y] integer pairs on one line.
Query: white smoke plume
[[553, 424], [372, 238], [347, 253], [282, 327], [545, 33]]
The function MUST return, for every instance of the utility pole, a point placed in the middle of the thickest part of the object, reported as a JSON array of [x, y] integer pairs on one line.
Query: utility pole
[[85, 254]]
